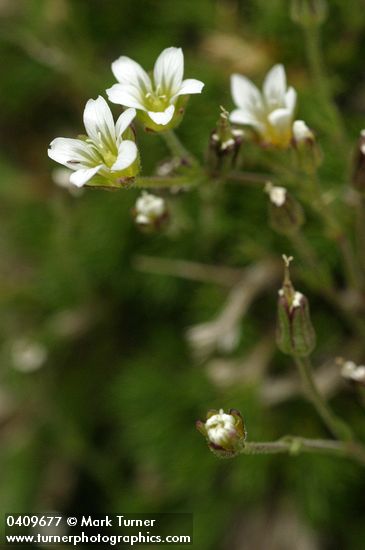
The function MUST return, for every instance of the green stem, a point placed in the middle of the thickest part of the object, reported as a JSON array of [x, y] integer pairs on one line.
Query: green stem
[[297, 445], [250, 178], [163, 181], [177, 148], [336, 426]]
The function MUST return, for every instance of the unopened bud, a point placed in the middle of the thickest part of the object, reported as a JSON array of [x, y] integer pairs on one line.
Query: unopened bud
[[285, 213], [309, 13], [225, 432], [295, 334], [150, 212], [309, 154], [354, 373], [302, 135], [225, 142], [358, 176]]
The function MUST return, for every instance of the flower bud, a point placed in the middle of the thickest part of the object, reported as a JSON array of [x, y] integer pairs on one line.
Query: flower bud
[[308, 153], [295, 334], [150, 212], [225, 433], [308, 13], [302, 135], [353, 372], [358, 176], [224, 143], [285, 213]]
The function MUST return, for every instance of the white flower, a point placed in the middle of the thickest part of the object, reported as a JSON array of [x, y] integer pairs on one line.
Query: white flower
[[104, 152], [301, 132], [157, 98], [149, 209], [27, 355], [270, 112]]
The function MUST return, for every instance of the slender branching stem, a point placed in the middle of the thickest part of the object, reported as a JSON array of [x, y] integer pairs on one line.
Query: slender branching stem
[[336, 426], [248, 178], [177, 148], [163, 181], [296, 445]]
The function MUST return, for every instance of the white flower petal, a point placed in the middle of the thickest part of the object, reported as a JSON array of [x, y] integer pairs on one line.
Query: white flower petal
[[80, 177], [190, 86], [274, 87], [127, 154], [168, 71], [244, 93], [98, 121], [129, 96], [127, 71], [291, 99], [71, 153], [242, 116], [163, 117], [124, 121], [281, 120]]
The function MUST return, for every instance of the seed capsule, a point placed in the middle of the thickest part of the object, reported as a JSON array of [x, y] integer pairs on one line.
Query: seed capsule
[[295, 334], [224, 144]]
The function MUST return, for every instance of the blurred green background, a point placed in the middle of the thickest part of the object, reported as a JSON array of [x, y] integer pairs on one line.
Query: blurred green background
[[106, 423]]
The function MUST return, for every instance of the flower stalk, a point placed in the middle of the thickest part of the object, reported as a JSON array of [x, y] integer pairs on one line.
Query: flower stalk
[[292, 445], [336, 426], [177, 148]]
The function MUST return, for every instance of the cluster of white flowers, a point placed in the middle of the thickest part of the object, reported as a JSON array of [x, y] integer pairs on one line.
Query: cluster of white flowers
[[108, 154]]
